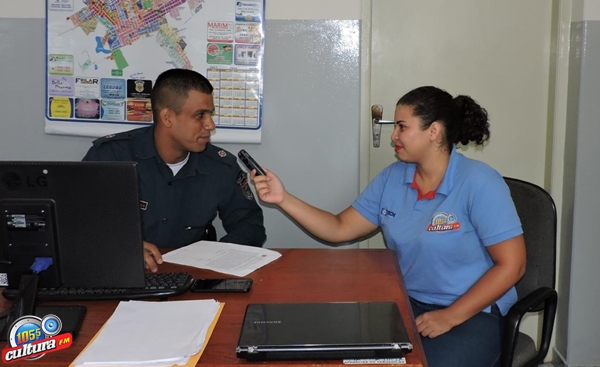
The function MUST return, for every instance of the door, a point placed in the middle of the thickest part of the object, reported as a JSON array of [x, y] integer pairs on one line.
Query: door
[[498, 52]]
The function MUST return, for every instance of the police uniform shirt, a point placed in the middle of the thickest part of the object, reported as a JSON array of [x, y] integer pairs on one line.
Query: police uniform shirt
[[441, 242], [176, 209]]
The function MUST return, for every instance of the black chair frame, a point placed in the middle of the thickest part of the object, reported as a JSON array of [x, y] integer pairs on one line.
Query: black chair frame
[[536, 291]]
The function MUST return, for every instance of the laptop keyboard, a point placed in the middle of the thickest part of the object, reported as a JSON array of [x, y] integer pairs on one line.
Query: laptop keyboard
[[160, 285]]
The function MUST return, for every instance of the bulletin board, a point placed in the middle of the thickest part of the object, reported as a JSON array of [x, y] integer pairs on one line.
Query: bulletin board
[[103, 56]]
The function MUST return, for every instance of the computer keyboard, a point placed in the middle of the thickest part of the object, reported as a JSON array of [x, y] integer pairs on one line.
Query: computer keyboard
[[160, 285]]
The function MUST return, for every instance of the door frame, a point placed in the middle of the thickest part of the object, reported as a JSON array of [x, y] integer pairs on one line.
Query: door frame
[[364, 131]]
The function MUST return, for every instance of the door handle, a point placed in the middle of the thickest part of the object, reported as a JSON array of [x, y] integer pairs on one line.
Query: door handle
[[377, 115]]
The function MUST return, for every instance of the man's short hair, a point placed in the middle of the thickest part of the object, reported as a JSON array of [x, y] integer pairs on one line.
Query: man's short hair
[[172, 87]]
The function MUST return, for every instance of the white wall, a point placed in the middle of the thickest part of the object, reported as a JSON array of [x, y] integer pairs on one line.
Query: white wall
[[574, 318], [293, 85], [584, 10], [275, 9]]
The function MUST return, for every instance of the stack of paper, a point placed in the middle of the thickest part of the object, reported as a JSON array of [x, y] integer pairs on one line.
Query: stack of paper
[[152, 334], [222, 257]]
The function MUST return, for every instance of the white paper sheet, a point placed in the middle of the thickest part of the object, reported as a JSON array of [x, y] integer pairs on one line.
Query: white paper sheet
[[151, 334], [222, 257]]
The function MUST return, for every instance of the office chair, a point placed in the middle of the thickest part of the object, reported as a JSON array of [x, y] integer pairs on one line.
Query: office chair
[[536, 289]]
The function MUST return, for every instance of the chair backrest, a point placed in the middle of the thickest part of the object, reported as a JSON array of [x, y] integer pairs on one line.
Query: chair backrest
[[537, 212]]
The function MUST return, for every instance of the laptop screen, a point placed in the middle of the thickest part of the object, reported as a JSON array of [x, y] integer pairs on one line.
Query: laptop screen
[[349, 326]]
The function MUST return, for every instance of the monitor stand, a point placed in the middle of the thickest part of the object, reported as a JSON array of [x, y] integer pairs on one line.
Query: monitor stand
[[71, 317]]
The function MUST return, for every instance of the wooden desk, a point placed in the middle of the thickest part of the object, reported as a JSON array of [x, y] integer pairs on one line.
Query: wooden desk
[[300, 275]]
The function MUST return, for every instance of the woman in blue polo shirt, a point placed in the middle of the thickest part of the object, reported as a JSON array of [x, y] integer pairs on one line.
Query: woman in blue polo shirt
[[450, 219]]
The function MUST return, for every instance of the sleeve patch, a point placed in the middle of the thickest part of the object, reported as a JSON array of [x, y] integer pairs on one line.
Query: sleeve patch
[[242, 181]]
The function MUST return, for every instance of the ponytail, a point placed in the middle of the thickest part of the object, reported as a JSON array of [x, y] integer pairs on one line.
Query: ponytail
[[463, 119], [474, 125]]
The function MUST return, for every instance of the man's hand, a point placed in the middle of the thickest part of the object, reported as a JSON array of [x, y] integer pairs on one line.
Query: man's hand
[[152, 257], [435, 323]]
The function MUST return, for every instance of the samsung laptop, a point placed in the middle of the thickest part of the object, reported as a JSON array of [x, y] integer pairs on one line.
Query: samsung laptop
[[338, 330]]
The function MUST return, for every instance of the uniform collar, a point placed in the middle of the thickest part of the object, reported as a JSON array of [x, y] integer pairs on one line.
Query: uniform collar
[[206, 160], [198, 162], [144, 148]]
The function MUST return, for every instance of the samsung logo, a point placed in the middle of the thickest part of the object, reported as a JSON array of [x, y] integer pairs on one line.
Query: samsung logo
[[268, 322]]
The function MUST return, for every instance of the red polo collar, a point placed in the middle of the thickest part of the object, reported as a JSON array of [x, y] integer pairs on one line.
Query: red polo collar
[[420, 196]]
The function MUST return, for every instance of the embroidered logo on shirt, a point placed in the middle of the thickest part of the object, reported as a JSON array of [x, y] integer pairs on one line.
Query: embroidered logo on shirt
[[242, 180], [442, 222], [222, 153], [143, 205], [388, 213]]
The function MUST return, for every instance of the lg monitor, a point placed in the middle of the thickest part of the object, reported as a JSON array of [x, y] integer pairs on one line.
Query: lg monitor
[[84, 216]]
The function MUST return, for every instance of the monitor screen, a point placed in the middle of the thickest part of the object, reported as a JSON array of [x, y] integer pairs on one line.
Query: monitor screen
[[83, 215]]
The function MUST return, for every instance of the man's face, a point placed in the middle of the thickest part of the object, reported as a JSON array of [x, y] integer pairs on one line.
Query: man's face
[[192, 126]]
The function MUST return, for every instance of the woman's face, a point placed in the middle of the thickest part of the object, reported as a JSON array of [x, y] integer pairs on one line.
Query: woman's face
[[411, 142]]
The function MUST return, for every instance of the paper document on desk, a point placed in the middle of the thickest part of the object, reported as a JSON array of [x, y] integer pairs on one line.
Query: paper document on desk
[[151, 334], [222, 257]]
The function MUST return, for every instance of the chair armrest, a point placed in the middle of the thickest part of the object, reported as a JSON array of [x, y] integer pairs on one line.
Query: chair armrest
[[513, 320]]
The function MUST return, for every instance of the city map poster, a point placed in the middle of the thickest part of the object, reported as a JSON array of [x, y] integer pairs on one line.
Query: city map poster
[[103, 56]]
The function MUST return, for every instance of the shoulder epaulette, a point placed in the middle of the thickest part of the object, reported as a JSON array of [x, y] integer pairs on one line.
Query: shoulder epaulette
[[113, 137], [221, 155]]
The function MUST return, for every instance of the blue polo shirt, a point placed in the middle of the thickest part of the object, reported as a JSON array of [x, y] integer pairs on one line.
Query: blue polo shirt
[[441, 242]]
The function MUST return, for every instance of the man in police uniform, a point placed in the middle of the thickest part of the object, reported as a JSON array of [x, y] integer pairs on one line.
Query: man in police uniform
[[184, 180]]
